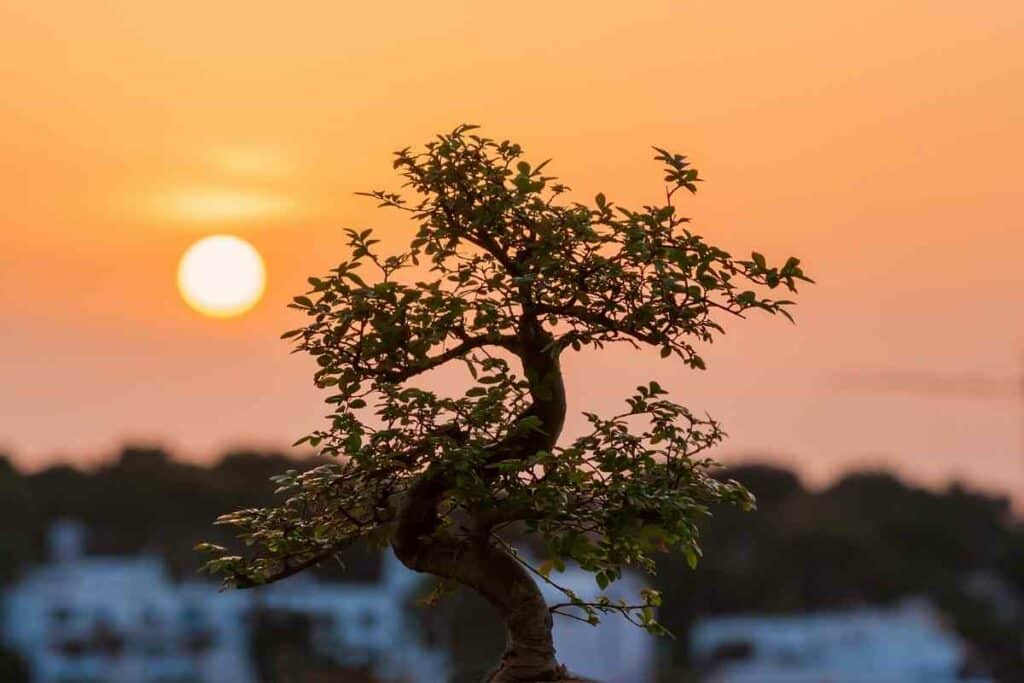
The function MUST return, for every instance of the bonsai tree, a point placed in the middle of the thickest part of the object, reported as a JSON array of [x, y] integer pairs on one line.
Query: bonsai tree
[[502, 278]]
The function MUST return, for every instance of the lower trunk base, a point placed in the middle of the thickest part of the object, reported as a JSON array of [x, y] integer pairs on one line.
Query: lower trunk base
[[518, 672], [560, 676]]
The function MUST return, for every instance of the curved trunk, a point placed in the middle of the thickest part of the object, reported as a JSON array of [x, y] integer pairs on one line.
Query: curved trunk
[[421, 545], [529, 649], [492, 572]]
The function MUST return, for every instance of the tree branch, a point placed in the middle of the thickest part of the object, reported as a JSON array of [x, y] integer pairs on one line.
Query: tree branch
[[246, 581], [504, 513], [607, 323], [504, 341]]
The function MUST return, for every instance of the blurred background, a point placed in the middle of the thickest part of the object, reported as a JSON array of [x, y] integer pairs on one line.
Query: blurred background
[[883, 434]]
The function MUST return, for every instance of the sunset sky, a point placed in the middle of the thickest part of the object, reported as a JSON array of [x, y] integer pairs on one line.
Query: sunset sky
[[879, 141]]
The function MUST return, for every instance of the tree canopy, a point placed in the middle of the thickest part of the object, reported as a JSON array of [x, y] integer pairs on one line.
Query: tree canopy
[[503, 276]]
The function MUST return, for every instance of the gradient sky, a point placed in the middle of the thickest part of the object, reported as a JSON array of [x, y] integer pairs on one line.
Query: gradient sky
[[879, 141]]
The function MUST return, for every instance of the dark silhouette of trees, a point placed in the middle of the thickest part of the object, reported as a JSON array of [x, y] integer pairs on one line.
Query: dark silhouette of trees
[[869, 538], [513, 277], [12, 668]]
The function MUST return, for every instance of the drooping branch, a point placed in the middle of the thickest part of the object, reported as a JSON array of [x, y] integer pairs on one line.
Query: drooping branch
[[289, 568]]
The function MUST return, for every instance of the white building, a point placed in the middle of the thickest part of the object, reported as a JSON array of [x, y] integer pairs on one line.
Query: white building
[[907, 643], [122, 620]]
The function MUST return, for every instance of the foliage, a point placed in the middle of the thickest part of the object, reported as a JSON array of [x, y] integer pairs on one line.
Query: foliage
[[503, 276]]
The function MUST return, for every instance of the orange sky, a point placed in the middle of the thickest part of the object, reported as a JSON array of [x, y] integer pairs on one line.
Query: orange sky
[[879, 141]]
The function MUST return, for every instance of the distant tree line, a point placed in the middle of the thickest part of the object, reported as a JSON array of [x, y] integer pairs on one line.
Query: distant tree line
[[869, 538], [142, 502]]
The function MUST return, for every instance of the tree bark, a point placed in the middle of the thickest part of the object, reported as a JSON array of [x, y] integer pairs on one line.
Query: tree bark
[[422, 545], [476, 563], [529, 649]]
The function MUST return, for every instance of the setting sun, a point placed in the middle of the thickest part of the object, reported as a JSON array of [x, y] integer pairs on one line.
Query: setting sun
[[221, 276]]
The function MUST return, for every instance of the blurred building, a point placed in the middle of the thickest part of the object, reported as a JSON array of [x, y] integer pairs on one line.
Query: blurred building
[[907, 643], [614, 651], [88, 619], [121, 619]]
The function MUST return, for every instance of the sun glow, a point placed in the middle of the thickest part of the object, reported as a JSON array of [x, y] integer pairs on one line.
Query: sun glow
[[220, 205], [221, 276]]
